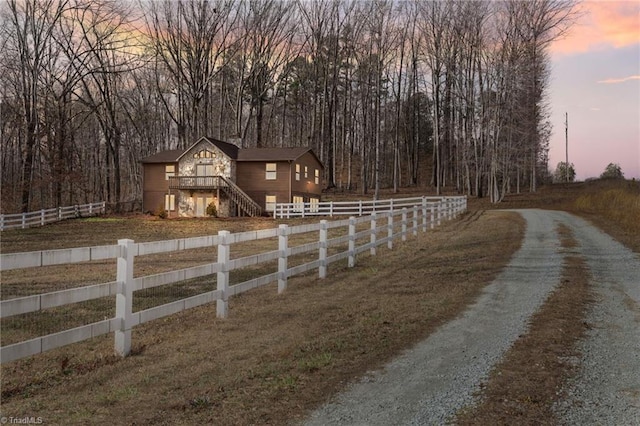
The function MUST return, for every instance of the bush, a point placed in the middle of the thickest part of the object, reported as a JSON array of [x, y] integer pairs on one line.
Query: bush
[[212, 210], [162, 212]]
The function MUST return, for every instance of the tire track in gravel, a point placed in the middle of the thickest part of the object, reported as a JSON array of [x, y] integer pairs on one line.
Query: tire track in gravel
[[431, 382], [606, 390]]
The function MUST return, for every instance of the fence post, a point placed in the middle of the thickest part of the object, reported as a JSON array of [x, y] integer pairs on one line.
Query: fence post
[[415, 220], [41, 217], [391, 205], [124, 298], [440, 212], [283, 245], [222, 304], [1, 222], [432, 217], [390, 231], [373, 234], [59, 213], [24, 220], [352, 242], [360, 208], [331, 208], [404, 224], [322, 269], [424, 214]]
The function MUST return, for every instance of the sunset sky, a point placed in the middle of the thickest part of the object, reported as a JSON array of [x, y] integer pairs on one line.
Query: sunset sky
[[595, 78]]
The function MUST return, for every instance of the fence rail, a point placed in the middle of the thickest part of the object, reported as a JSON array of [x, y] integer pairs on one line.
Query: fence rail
[[42, 217], [353, 208], [382, 228]]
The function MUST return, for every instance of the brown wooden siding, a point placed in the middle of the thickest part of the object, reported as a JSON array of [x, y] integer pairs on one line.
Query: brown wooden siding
[[155, 186], [306, 185], [251, 177]]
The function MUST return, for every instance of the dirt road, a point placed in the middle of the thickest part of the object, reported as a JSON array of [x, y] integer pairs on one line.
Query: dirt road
[[431, 382]]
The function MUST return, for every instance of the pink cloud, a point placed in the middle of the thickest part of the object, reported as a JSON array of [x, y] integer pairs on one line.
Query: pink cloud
[[619, 80], [602, 24]]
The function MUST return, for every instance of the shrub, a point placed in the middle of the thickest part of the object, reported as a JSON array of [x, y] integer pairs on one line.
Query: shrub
[[162, 212], [212, 210]]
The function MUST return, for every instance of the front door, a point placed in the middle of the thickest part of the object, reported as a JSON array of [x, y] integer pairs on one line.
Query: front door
[[201, 205]]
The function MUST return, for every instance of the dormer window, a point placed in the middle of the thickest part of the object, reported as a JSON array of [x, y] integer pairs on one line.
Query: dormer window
[[205, 153]]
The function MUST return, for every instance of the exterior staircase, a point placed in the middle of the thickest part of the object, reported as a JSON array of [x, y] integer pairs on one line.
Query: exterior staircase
[[242, 200]]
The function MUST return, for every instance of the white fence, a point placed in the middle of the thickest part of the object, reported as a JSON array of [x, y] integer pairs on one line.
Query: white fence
[[383, 228], [354, 208], [42, 217]]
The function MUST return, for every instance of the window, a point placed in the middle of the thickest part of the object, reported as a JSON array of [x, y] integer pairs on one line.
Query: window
[[297, 171], [271, 171], [270, 203], [169, 171], [298, 203], [169, 202], [205, 153], [317, 177], [306, 172]]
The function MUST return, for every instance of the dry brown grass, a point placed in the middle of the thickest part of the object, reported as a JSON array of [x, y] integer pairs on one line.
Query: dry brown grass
[[276, 357], [523, 387], [613, 205]]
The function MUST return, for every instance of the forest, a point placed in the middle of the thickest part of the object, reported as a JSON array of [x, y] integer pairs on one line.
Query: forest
[[389, 93]]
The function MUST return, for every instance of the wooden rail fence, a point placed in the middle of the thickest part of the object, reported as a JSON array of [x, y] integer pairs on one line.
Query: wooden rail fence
[[354, 208], [42, 217], [383, 229]]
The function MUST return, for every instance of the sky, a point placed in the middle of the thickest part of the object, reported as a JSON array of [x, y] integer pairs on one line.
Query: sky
[[595, 79]]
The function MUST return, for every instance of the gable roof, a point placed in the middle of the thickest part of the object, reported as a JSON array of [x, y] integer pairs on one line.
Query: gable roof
[[235, 153], [169, 156], [228, 149], [275, 154]]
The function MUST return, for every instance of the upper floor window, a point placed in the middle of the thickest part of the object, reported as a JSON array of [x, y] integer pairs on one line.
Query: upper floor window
[[317, 177], [271, 171], [306, 172], [297, 171], [169, 171], [205, 153]]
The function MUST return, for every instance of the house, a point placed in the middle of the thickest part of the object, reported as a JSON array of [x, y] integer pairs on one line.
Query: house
[[239, 182]]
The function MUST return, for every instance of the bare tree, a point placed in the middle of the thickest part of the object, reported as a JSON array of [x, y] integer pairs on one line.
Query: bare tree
[[268, 45], [189, 40], [32, 23]]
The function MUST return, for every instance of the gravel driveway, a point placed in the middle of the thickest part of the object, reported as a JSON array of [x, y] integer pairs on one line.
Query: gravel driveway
[[429, 383]]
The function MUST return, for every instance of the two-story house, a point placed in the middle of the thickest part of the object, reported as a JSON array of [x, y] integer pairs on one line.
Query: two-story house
[[237, 181]]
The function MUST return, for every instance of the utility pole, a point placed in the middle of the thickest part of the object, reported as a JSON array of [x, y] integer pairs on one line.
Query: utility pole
[[566, 140]]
